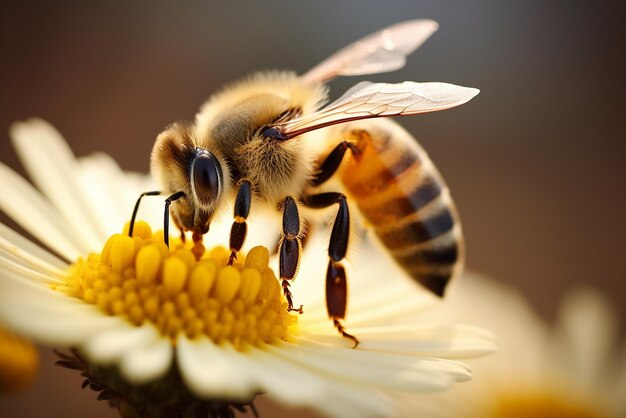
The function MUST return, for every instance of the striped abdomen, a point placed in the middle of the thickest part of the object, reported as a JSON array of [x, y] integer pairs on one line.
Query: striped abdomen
[[403, 197]]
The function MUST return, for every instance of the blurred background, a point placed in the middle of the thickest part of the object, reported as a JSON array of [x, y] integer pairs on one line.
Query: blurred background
[[536, 163]]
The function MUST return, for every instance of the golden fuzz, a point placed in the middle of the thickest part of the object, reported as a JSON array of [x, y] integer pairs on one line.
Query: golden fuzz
[[143, 280]]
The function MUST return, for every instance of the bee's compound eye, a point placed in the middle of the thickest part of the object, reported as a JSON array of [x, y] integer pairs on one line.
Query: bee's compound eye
[[206, 175]]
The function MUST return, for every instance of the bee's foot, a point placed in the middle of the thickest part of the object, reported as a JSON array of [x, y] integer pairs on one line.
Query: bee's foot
[[292, 309], [343, 333]]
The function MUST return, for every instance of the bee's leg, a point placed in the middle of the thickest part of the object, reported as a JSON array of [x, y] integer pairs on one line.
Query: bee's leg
[[331, 163], [239, 229], [336, 283], [166, 216], [305, 233], [136, 209], [290, 248]]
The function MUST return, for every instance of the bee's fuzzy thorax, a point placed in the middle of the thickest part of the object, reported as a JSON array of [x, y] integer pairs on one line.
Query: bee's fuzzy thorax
[[230, 121], [283, 84]]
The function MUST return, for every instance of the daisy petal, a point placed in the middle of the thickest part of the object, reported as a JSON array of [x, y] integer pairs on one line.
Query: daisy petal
[[332, 397], [50, 317], [460, 371], [15, 265], [145, 363], [35, 214], [448, 342], [30, 253], [111, 345], [371, 369], [51, 165], [380, 312], [209, 371], [274, 376], [109, 203]]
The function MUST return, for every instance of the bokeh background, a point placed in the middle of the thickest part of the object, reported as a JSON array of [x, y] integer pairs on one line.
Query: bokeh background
[[536, 163]]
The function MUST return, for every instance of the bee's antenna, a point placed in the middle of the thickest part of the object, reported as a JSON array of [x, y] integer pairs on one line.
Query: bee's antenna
[[132, 218], [166, 216]]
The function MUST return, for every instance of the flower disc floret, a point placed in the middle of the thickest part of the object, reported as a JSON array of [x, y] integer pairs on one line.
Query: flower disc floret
[[140, 278]]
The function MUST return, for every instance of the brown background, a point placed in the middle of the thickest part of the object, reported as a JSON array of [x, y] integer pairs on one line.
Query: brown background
[[536, 162]]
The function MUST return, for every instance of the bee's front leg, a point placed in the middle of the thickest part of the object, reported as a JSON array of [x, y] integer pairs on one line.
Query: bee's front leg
[[336, 282], [239, 229], [290, 248], [131, 227]]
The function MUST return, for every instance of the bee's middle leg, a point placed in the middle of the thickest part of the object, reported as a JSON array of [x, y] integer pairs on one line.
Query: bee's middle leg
[[336, 282], [239, 229], [290, 249]]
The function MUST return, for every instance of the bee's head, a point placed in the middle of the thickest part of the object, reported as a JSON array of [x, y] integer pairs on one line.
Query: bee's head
[[182, 166]]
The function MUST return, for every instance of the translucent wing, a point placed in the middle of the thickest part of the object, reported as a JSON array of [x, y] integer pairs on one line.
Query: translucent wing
[[385, 50], [371, 100]]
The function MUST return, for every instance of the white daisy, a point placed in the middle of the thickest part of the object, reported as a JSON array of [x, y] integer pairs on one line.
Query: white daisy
[[158, 315], [571, 369]]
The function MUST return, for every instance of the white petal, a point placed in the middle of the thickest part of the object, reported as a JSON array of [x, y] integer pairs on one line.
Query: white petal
[[32, 254], [111, 194], [284, 381], [53, 168], [460, 371], [109, 346], [148, 362], [49, 316], [448, 342], [521, 333], [295, 385], [315, 317], [425, 331], [273, 375], [15, 265], [211, 372], [35, 214], [378, 370]]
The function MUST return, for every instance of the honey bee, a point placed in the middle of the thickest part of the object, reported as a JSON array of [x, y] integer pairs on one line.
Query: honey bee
[[251, 142]]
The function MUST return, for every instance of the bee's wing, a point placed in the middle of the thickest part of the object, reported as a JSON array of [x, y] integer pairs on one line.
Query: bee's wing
[[372, 100], [385, 50]]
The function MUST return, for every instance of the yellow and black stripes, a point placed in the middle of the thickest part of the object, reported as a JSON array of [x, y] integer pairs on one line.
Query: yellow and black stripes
[[402, 196]]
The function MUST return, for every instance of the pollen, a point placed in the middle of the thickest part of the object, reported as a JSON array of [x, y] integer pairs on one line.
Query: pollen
[[180, 292]]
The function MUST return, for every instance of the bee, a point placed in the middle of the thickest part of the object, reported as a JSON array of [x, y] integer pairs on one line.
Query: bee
[[254, 142]]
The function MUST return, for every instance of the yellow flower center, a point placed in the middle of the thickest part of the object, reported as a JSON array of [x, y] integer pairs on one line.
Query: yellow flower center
[[143, 280]]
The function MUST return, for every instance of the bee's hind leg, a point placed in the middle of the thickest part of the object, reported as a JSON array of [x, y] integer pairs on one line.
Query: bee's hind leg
[[336, 283]]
